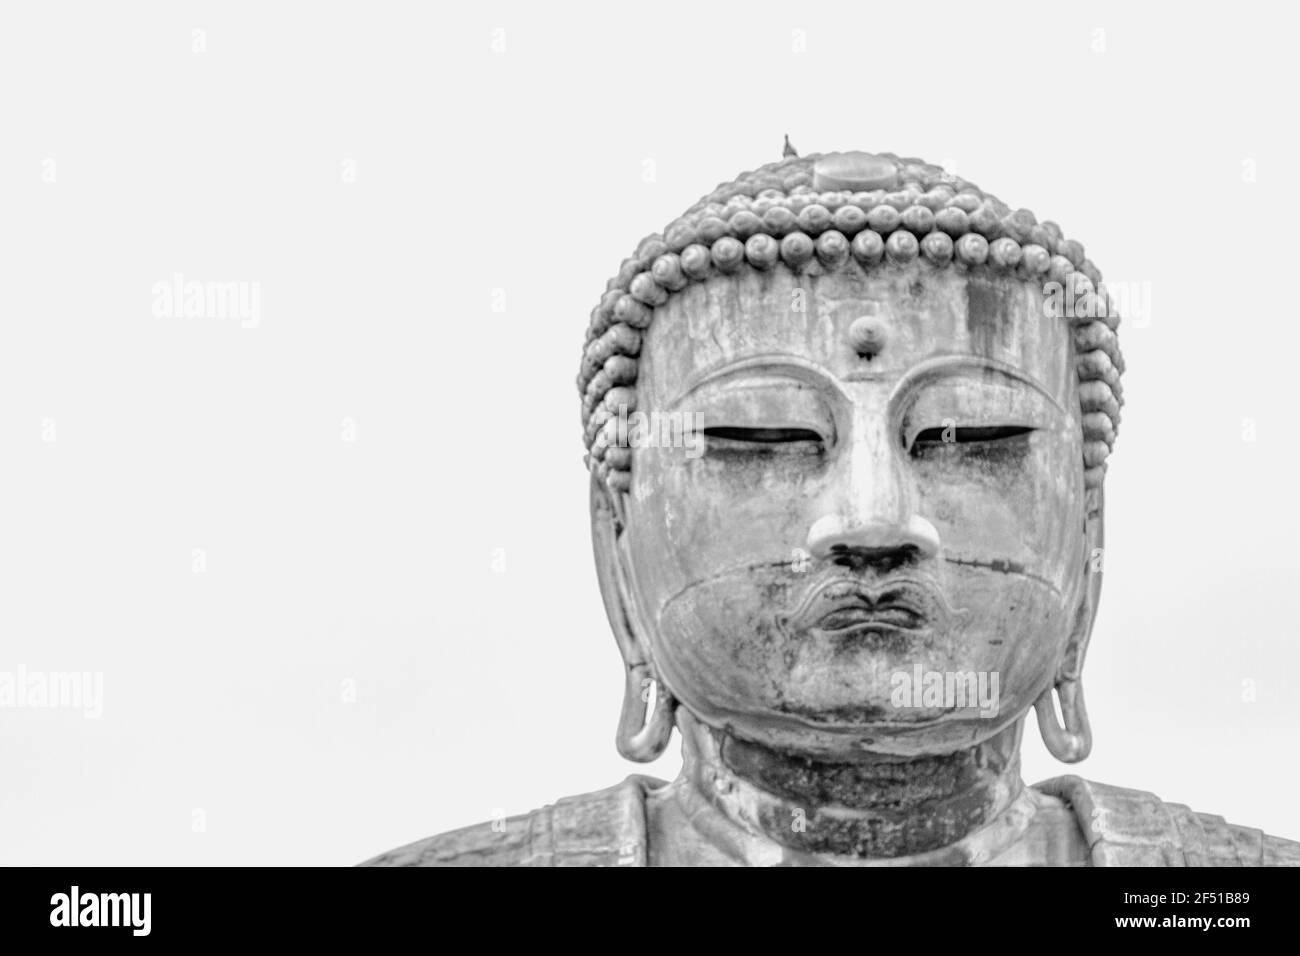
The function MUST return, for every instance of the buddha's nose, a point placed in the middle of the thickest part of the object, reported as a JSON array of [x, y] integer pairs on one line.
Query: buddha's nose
[[871, 518]]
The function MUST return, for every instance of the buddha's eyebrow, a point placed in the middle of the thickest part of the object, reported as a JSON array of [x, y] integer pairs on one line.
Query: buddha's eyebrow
[[952, 366], [775, 366]]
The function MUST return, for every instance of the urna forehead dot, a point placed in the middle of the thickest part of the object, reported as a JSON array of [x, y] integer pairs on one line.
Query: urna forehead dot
[[867, 335], [856, 171]]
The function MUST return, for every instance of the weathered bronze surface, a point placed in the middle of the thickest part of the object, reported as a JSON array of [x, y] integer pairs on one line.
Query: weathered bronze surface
[[848, 423]]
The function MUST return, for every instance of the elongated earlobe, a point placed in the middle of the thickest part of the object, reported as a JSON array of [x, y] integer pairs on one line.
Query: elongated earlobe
[[1070, 738], [1073, 741], [638, 738]]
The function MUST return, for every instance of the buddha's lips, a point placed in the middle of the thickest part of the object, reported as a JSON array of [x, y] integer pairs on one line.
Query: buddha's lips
[[840, 604]]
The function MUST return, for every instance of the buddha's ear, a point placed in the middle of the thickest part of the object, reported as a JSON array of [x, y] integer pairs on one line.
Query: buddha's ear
[[638, 738], [1093, 558], [606, 528], [1069, 737]]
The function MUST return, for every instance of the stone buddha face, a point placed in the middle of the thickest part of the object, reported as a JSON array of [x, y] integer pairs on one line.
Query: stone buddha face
[[887, 485]]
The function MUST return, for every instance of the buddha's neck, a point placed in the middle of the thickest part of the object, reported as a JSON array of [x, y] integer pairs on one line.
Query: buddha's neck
[[875, 806]]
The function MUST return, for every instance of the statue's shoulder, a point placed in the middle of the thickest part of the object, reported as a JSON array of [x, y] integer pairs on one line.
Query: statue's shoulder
[[602, 828], [1125, 827]]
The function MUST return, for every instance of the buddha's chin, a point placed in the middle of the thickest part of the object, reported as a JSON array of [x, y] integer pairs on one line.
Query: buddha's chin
[[858, 731], [876, 703]]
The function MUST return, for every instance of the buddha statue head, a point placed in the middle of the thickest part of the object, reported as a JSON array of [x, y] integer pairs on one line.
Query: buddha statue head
[[847, 423]]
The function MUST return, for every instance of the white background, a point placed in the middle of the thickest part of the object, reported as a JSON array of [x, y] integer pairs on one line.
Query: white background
[[528, 171]]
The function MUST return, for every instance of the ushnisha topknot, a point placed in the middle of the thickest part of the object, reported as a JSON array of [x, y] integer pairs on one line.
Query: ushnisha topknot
[[816, 214]]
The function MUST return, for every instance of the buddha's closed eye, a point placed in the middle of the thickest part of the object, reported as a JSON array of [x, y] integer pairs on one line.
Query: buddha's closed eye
[[979, 440], [728, 439], [960, 419], [969, 434]]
